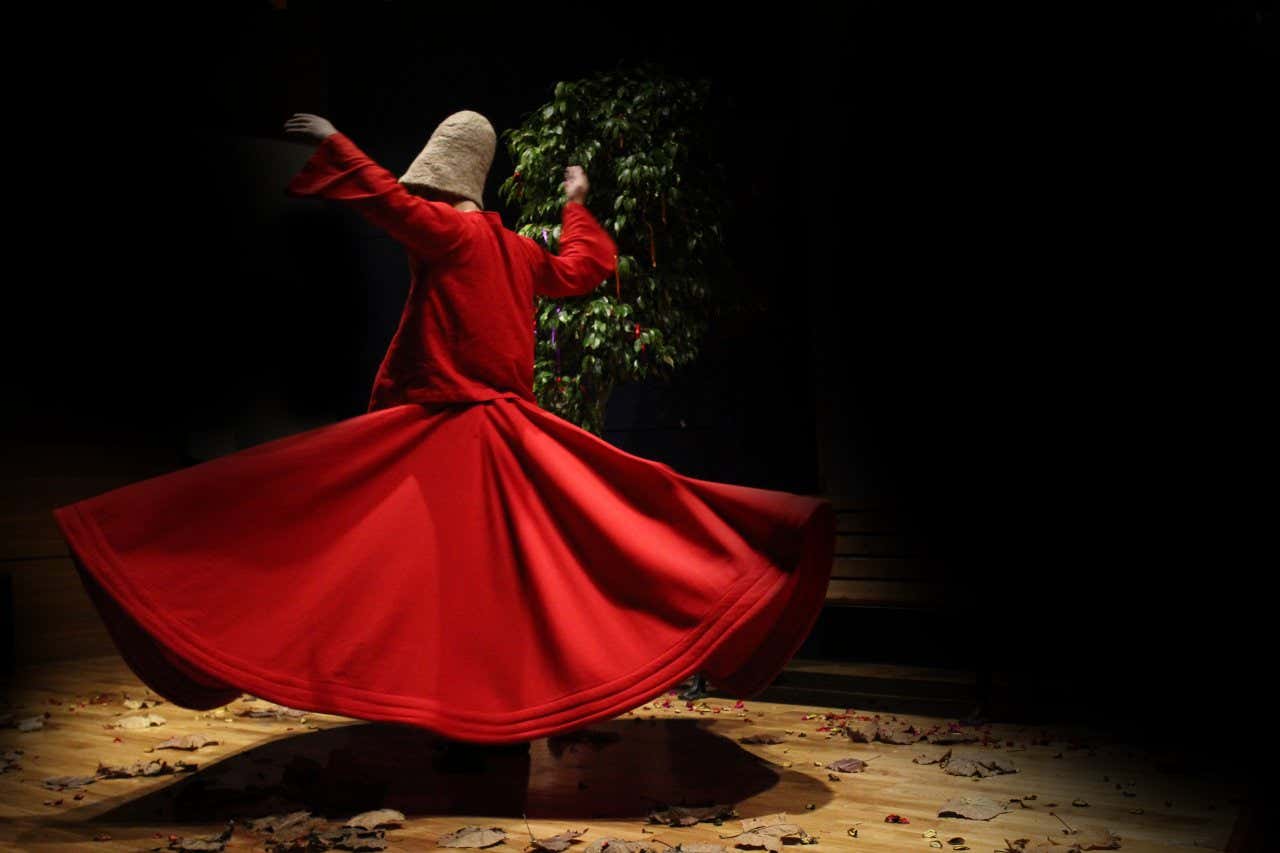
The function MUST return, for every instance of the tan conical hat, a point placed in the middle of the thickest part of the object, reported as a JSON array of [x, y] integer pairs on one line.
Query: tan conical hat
[[456, 158]]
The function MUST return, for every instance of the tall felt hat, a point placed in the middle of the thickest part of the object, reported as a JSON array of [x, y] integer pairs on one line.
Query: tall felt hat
[[457, 157]]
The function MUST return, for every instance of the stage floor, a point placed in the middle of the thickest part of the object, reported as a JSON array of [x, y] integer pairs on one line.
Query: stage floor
[[606, 779]]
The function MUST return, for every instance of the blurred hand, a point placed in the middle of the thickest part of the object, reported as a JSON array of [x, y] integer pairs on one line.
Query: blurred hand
[[311, 126], [575, 184]]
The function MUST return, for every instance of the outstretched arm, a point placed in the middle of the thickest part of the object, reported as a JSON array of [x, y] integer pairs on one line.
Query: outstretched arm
[[588, 254], [339, 170]]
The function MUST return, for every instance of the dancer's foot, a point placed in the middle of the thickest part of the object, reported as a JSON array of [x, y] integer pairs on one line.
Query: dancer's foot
[[697, 687]]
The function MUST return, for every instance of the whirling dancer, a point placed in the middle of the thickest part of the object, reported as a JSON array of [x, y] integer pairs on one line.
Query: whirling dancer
[[455, 558]]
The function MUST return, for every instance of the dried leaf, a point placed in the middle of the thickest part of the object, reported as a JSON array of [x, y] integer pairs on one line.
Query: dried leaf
[[753, 823], [375, 818], [144, 721], [1088, 839], [963, 767], [191, 741], [977, 763], [698, 847], [30, 724], [10, 760], [689, 815], [848, 765], [763, 737], [558, 842], [896, 731], [137, 704], [931, 758], [292, 827], [274, 823], [862, 732], [154, 767], [769, 832], [777, 830], [973, 808], [772, 836], [344, 838], [473, 836], [618, 845], [271, 709], [59, 783], [206, 843], [953, 735], [755, 839]]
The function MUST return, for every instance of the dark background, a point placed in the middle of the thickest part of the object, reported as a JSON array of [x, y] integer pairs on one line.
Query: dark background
[[1023, 244]]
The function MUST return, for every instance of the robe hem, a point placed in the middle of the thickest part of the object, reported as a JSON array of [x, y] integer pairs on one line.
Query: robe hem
[[798, 592]]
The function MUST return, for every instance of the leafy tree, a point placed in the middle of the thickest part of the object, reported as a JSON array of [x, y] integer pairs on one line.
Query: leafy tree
[[647, 143]]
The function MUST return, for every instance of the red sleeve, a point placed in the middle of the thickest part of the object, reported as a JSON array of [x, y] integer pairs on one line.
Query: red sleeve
[[337, 169], [587, 256]]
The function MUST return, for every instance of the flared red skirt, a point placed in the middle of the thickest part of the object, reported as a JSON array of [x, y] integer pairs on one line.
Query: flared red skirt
[[487, 571]]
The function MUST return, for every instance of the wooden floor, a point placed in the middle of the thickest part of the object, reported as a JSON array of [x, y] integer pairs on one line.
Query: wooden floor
[[604, 779]]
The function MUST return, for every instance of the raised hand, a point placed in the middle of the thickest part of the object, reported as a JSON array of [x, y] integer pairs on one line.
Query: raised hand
[[575, 184], [311, 126]]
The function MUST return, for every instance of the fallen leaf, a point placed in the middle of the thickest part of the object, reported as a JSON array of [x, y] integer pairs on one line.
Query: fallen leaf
[[136, 704], [1099, 839], [59, 783], [618, 845], [191, 741], [10, 760], [862, 732], [154, 767], [771, 837], [689, 815], [897, 732], [289, 828], [973, 808], [472, 836], [976, 763], [952, 736], [374, 819], [206, 843], [144, 721], [271, 709], [558, 842], [763, 737], [1095, 839], [754, 823], [346, 838]]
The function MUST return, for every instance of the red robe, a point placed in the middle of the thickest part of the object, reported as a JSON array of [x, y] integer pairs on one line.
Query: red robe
[[456, 558]]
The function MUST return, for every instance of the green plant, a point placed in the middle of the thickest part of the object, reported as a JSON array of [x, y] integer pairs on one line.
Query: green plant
[[647, 144]]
